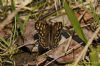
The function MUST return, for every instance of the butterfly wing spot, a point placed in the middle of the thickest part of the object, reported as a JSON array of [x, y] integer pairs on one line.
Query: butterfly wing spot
[[37, 25], [49, 34], [60, 25], [41, 28], [41, 34], [56, 33], [44, 26]]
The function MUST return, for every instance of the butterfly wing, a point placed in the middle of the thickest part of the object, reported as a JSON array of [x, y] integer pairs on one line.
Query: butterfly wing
[[43, 32], [56, 34]]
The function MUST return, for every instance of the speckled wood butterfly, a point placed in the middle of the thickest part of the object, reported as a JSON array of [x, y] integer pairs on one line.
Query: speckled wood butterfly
[[49, 34]]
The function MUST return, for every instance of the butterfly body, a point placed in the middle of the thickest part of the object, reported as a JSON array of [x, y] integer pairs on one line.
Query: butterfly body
[[49, 34]]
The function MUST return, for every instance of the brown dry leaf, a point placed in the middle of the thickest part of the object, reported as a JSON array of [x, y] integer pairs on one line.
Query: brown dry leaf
[[29, 30], [40, 59], [23, 58], [88, 33], [2, 33], [75, 48], [87, 16], [29, 33], [59, 52]]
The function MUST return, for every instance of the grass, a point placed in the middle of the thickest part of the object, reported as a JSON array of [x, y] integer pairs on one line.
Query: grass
[[8, 46], [74, 21]]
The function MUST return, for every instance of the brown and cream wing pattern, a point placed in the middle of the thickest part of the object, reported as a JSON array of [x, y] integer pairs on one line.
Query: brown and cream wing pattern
[[49, 35]]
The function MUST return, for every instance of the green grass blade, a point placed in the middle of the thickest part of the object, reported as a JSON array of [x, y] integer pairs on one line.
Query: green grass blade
[[5, 42], [94, 57], [1, 4], [23, 25], [13, 4], [95, 16], [74, 21]]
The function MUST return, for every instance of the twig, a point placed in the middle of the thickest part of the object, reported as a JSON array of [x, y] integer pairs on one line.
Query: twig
[[10, 17], [31, 43], [86, 47], [67, 52]]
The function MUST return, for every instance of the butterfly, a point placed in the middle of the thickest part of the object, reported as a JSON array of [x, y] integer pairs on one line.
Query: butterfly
[[49, 34]]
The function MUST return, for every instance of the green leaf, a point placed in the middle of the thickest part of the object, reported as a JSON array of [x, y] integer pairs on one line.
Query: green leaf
[[74, 21], [94, 57]]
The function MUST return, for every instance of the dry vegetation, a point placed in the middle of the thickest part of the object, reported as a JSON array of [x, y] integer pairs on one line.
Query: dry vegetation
[[80, 32]]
